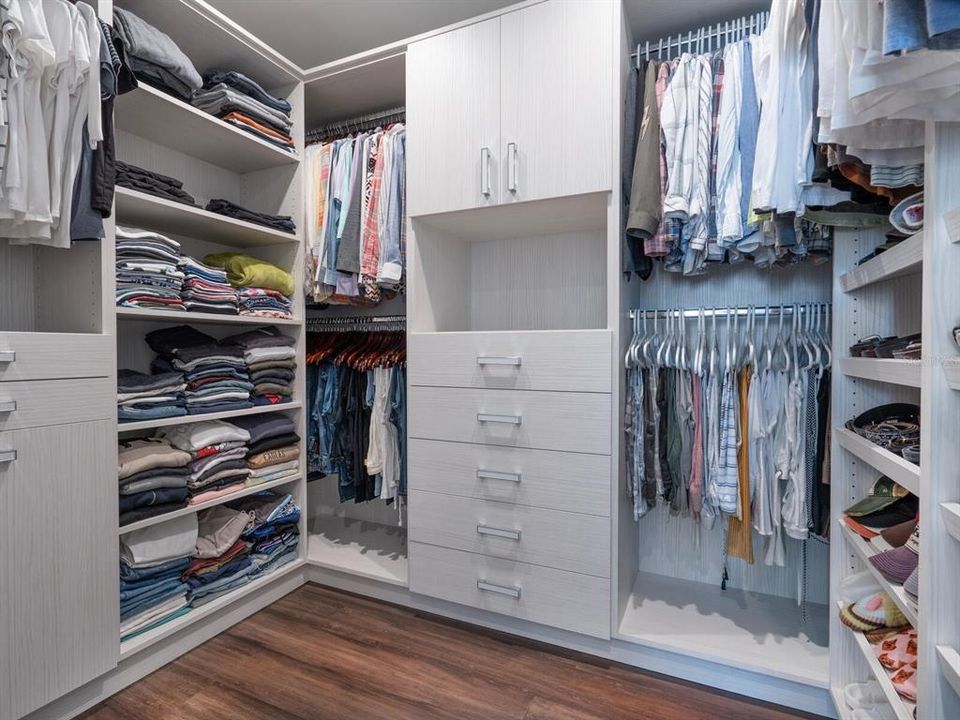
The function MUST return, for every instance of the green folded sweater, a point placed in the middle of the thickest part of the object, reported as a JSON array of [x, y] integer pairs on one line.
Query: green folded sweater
[[245, 271]]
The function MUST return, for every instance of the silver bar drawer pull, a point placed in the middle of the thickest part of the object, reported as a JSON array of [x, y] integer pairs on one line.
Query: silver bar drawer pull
[[485, 171], [8, 406], [502, 419], [498, 532], [495, 360], [7, 356], [7, 456], [512, 167], [494, 475], [513, 592]]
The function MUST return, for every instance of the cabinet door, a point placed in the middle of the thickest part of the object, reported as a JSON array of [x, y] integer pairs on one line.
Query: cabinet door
[[453, 118], [59, 594], [556, 76]]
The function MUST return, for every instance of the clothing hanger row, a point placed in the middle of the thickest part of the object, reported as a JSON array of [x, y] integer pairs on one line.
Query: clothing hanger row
[[358, 124], [706, 39], [386, 323]]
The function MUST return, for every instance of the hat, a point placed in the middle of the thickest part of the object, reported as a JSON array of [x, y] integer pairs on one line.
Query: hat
[[859, 528], [907, 215], [897, 564], [897, 535], [902, 510], [885, 492], [911, 586], [875, 610]]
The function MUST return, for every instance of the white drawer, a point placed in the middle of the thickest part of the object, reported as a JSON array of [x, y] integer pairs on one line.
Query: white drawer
[[574, 422], [47, 356], [561, 540], [572, 360], [566, 600], [574, 482], [37, 403]]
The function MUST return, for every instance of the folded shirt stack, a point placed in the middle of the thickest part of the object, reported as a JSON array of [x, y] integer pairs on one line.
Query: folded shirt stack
[[243, 103], [284, 223], [215, 373], [152, 476], [205, 289], [273, 451], [264, 289], [148, 270], [152, 183], [150, 397], [155, 58], [217, 465], [270, 359], [152, 561]]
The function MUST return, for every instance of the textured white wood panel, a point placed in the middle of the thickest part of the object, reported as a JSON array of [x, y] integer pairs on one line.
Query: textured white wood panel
[[438, 273], [453, 112], [552, 538], [898, 372], [556, 77], [59, 593], [360, 548], [57, 402], [566, 600], [572, 422], [564, 360], [557, 480], [45, 356], [323, 500], [18, 291]]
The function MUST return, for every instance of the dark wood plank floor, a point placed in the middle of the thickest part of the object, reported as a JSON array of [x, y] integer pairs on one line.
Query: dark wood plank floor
[[318, 654]]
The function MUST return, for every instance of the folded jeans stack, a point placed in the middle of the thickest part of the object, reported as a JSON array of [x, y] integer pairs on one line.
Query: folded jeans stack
[[217, 450], [215, 373], [152, 183], [152, 477], [284, 223], [271, 363], [150, 397], [205, 289], [264, 288], [148, 270], [243, 103], [273, 451], [155, 58], [152, 561]]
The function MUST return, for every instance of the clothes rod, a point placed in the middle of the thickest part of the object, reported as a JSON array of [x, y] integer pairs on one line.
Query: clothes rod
[[361, 122], [705, 39], [358, 320], [772, 310]]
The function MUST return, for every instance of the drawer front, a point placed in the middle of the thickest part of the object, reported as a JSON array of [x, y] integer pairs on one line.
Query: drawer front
[[573, 422], [560, 540], [574, 482], [48, 356], [577, 360], [566, 600], [37, 403]]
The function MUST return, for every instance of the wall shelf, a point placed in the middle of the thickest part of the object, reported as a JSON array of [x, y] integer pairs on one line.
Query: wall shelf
[[904, 259], [357, 547], [893, 466], [173, 123], [897, 372], [949, 660], [178, 316], [187, 419], [137, 209], [950, 511]]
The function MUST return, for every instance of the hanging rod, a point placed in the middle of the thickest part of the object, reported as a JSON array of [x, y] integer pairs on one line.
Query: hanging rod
[[706, 39], [369, 121], [361, 321], [721, 312]]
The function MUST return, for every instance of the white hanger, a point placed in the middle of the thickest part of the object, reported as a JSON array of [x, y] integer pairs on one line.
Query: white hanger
[[780, 342], [751, 328]]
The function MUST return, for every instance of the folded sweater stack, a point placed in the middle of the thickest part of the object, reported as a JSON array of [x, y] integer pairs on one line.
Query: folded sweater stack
[[217, 453], [155, 58], [273, 452], [148, 270], [205, 289], [271, 363], [152, 183], [264, 289], [152, 476], [150, 397]]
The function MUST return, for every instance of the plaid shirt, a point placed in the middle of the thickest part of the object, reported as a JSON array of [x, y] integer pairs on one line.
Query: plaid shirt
[[668, 235], [370, 238]]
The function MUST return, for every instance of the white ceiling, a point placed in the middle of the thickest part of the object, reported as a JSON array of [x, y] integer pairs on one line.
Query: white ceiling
[[314, 32]]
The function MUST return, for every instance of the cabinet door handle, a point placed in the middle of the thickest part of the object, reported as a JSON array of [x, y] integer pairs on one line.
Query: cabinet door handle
[[512, 168], [511, 591], [7, 356], [498, 532], [494, 475], [8, 406], [499, 360], [485, 171], [502, 419], [8, 456]]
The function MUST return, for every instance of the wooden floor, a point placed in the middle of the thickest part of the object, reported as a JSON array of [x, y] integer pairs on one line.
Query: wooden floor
[[318, 654]]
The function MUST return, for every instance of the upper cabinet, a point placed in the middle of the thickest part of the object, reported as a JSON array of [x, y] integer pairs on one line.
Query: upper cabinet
[[511, 109]]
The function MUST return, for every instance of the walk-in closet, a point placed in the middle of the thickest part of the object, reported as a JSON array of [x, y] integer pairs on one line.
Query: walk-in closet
[[490, 359]]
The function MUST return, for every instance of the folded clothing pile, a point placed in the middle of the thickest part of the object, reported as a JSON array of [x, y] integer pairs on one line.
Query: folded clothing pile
[[150, 397], [152, 183], [153, 479], [270, 359], [215, 373], [205, 289], [148, 270], [217, 452], [273, 451], [284, 223], [152, 562], [264, 288], [154, 57], [243, 103]]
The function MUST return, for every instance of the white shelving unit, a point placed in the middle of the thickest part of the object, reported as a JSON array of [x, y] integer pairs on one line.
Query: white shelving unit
[[893, 466], [904, 259], [897, 372], [187, 419], [200, 318]]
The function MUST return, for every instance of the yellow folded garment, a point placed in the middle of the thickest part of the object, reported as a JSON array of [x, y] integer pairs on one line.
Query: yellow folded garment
[[246, 271]]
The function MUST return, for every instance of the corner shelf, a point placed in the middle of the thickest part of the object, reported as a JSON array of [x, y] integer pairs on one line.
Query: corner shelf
[[902, 472], [357, 547], [187, 419], [950, 511], [897, 372], [173, 123], [865, 551], [949, 660], [139, 209], [904, 259], [179, 316]]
